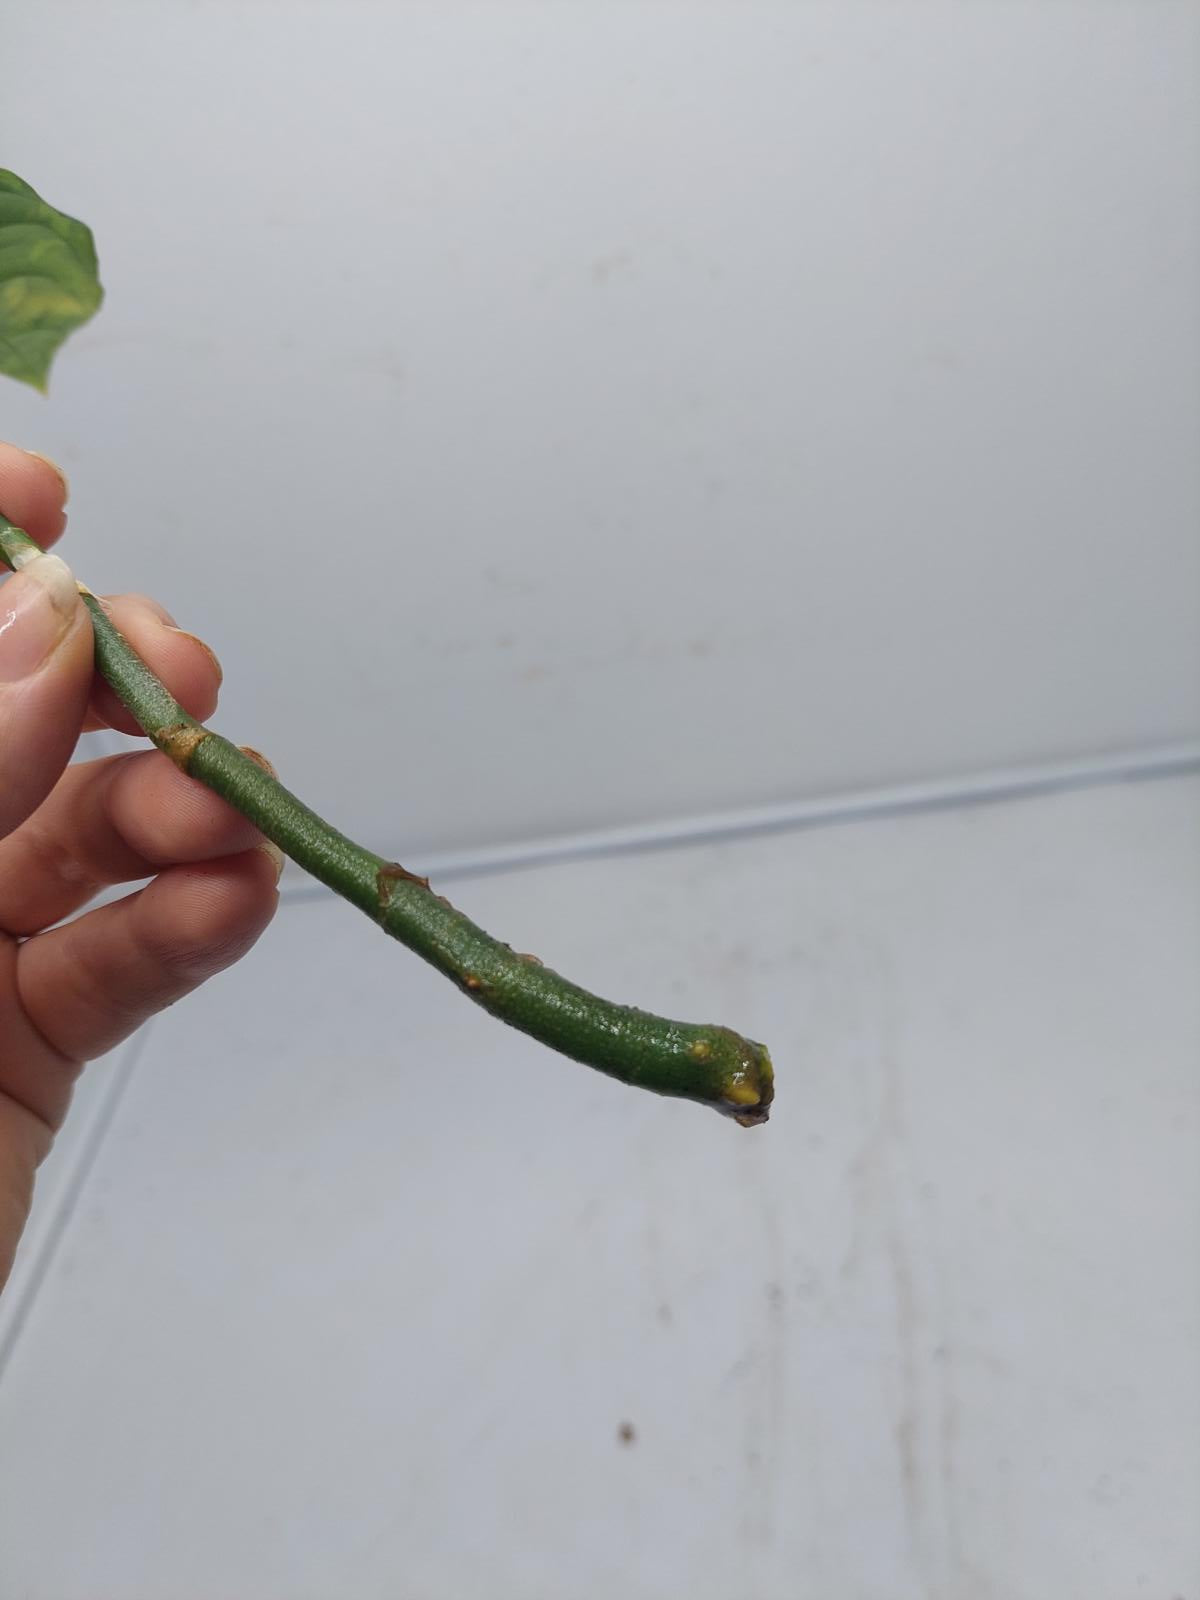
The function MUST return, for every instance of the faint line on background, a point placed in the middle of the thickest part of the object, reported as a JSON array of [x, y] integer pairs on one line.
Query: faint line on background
[[1016, 783], [17, 1314]]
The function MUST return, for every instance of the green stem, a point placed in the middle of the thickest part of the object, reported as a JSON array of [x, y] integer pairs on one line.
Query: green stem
[[706, 1063]]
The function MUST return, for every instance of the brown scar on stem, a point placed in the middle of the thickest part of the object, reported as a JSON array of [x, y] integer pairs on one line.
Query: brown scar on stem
[[179, 742], [472, 981], [392, 874], [258, 759]]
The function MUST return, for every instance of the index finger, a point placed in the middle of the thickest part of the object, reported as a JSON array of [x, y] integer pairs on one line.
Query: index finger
[[33, 493]]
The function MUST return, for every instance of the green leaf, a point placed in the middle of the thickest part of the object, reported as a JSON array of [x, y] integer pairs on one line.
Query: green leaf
[[48, 282]]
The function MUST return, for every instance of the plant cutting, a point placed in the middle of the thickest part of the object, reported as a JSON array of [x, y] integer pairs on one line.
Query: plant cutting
[[49, 285]]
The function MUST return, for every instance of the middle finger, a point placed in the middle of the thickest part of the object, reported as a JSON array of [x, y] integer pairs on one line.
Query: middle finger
[[114, 820], [186, 664]]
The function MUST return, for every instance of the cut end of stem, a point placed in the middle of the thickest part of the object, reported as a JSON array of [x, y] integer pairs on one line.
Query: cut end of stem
[[749, 1088]]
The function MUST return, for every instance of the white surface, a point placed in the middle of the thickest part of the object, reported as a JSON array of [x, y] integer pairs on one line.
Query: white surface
[[361, 1286], [59, 1182], [734, 403]]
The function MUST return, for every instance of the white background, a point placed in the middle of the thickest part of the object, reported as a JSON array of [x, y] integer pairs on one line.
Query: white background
[[566, 416], [608, 418]]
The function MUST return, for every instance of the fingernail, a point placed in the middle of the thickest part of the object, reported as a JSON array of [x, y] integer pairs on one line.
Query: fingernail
[[258, 759], [274, 855], [56, 469], [37, 607], [207, 648]]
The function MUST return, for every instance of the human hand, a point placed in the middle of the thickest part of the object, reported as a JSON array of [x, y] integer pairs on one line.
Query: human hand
[[69, 993]]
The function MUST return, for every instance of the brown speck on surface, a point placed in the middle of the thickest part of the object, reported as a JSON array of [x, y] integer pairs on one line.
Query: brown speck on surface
[[534, 961], [472, 981], [627, 1433]]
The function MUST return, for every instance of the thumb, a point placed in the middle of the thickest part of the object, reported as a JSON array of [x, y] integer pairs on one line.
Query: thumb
[[45, 679]]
